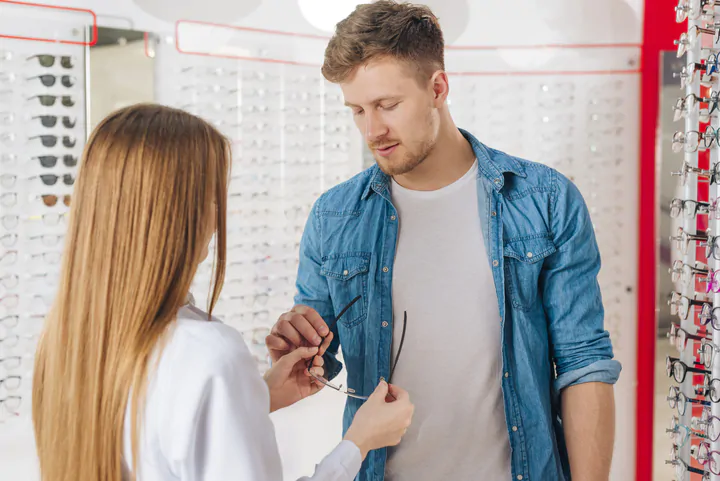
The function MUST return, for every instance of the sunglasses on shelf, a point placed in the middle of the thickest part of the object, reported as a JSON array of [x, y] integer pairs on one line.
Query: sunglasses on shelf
[[51, 200], [46, 60], [52, 140], [50, 80], [51, 179], [51, 120], [49, 161], [49, 100]]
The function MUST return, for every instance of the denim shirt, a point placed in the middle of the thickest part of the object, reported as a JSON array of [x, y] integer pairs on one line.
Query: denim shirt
[[545, 260]]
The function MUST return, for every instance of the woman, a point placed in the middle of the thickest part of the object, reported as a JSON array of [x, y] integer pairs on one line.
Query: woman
[[131, 381]]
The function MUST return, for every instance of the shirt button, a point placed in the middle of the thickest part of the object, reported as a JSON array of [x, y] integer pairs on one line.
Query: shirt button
[[519, 477], [382, 378], [497, 181], [507, 374], [392, 217], [345, 272], [385, 324], [385, 269], [495, 263], [529, 254], [514, 428], [493, 213]]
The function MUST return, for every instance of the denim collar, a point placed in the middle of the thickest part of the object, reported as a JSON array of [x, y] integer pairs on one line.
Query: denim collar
[[491, 165]]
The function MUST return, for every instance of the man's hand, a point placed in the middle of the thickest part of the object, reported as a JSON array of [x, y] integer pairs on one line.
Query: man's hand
[[301, 327], [289, 379]]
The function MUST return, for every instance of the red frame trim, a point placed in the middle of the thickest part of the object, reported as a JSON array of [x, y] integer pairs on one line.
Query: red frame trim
[[55, 7]]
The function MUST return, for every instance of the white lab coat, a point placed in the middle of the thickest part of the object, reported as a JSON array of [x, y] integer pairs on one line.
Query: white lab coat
[[207, 413]]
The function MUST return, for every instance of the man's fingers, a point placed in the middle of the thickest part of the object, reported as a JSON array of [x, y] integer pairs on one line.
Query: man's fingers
[[315, 320], [284, 328], [306, 329], [276, 343], [319, 361]]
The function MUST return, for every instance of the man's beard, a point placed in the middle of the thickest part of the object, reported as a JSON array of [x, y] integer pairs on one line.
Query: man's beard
[[409, 161]]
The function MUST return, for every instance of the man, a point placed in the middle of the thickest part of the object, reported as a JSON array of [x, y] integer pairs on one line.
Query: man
[[492, 258]]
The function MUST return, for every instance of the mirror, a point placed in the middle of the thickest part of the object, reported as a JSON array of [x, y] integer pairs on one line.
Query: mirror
[[120, 73]]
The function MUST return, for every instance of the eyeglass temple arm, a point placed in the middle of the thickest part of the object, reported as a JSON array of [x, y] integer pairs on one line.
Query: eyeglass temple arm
[[402, 341], [345, 309]]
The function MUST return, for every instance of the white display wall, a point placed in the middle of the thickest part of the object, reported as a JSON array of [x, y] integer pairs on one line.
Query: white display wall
[[575, 109]]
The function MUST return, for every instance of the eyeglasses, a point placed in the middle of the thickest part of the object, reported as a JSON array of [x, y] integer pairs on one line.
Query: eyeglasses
[[681, 468], [680, 433], [52, 140], [685, 105], [680, 305], [46, 60], [688, 141], [8, 258], [690, 208], [49, 80], [707, 352], [51, 179], [710, 460], [348, 391], [49, 161], [49, 100], [687, 169], [11, 404], [712, 247], [709, 423], [10, 383], [686, 273], [683, 239], [687, 74], [677, 369], [677, 399], [9, 199], [51, 120], [10, 322], [711, 389], [50, 199], [688, 40], [679, 337], [8, 240]]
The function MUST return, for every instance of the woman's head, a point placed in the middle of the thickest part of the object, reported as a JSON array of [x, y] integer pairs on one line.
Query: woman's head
[[150, 193]]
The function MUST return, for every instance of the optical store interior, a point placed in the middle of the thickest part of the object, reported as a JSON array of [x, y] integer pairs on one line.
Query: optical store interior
[[620, 96]]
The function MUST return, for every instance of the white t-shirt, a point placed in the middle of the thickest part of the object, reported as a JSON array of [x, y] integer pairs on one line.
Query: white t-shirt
[[207, 413], [451, 362]]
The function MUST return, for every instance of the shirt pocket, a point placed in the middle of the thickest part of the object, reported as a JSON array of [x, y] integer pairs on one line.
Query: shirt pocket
[[347, 278], [523, 263]]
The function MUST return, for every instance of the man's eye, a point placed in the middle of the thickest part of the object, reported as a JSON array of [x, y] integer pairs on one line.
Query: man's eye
[[391, 107]]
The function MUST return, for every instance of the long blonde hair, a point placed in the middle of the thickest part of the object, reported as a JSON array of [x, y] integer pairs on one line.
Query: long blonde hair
[[151, 177]]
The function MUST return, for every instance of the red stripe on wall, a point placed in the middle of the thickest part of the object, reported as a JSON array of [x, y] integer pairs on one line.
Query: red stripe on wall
[[659, 31]]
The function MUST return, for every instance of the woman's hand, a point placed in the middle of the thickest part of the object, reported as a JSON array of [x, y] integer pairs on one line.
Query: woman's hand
[[289, 380]]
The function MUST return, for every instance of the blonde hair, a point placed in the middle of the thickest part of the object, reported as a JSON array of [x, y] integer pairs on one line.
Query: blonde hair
[[150, 178], [386, 29]]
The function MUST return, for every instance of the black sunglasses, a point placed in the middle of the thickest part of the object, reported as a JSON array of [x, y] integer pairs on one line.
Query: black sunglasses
[[49, 161], [348, 391], [49, 100], [51, 179], [51, 140], [51, 121], [46, 60], [49, 80]]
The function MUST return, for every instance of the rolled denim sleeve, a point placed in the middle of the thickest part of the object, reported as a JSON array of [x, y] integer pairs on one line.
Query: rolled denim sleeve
[[580, 346], [312, 287]]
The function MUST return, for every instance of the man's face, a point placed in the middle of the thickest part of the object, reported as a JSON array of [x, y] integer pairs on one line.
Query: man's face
[[397, 117]]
